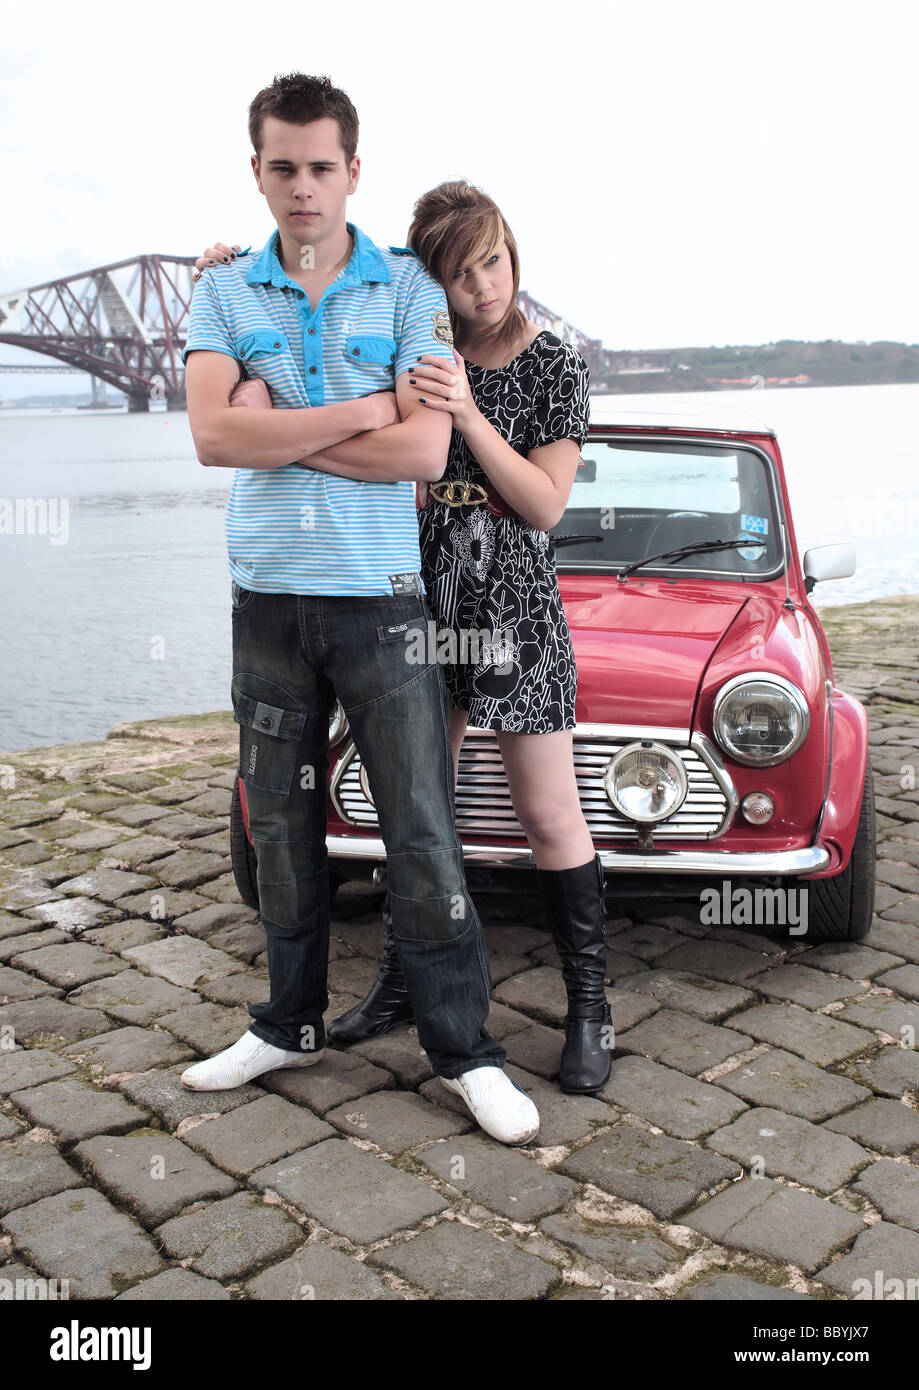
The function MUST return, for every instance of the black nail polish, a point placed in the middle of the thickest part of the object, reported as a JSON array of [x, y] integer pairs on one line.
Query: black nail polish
[[423, 401], [412, 381]]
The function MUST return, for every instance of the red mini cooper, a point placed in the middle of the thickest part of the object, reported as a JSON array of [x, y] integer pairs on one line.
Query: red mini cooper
[[715, 756]]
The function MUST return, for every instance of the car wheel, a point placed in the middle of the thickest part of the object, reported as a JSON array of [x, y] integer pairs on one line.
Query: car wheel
[[244, 857], [842, 908]]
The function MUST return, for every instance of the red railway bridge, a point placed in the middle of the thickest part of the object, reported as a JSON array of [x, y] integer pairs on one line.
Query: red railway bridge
[[126, 323]]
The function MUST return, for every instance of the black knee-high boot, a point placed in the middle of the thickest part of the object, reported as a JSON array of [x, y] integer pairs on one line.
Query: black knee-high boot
[[577, 920], [385, 1005]]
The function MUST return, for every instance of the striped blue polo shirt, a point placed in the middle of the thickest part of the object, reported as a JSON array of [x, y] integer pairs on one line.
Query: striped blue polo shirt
[[293, 530]]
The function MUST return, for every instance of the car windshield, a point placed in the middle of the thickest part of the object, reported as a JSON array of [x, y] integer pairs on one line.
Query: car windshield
[[636, 498]]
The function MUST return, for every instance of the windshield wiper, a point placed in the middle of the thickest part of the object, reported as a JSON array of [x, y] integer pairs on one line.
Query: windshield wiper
[[690, 550], [575, 540]]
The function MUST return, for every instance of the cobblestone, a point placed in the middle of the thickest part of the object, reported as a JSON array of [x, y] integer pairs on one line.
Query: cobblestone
[[19, 984], [627, 1252], [183, 961], [80, 1236], [35, 1021], [894, 1190], [780, 1080], [257, 1134], [397, 1120], [30, 1171], [681, 1041], [127, 1049], [352, 1193], [174, 1286], [133, 997], [452, 1261], [153, 1174], [783, 1223], [812, 989], [319, 1272], [815, 1037], [707, 999], [893, 1072], [663, 1174], [230, 1239], [886, 1125], [787, 1146], [76, 1111], [70, 965], [676, 1103], [882, 1264], [502, 1180]]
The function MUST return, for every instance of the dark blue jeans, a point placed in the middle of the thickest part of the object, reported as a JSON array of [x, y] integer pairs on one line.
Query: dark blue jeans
[[292, 654]]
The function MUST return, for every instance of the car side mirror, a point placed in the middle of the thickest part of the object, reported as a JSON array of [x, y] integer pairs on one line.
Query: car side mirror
[[828, 562]]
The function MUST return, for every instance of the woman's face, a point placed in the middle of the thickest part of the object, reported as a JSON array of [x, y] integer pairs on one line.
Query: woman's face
[[480, 293]]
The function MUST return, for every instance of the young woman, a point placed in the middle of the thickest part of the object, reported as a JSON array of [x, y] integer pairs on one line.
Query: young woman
[[518, 398]]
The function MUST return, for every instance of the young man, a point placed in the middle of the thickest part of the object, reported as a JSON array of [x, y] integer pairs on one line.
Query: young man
[[323, 546]]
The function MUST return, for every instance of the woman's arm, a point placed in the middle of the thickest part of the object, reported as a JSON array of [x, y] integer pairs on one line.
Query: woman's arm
[[536, 486]]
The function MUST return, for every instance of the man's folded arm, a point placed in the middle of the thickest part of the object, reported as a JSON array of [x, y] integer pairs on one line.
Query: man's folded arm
[[236, 438], [414, 450]]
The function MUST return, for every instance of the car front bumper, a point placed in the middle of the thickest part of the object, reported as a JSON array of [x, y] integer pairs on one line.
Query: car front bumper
[[808, 860]]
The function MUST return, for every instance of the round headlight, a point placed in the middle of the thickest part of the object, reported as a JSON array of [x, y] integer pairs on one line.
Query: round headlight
[[760, 719], [338, 724], [646, 782]]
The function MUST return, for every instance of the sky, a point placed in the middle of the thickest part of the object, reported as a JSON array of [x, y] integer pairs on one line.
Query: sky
[[675, 174]]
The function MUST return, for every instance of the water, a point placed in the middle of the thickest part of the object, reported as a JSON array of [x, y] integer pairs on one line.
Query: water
[[128, 616]]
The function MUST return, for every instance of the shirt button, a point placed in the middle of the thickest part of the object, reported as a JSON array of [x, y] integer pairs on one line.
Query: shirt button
[[277, 345], [311, 331], [312, 371], [356, 351], [300, 294], [392, 357]]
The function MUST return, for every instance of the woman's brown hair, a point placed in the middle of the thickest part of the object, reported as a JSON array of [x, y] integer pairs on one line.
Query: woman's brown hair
[[454, 225]]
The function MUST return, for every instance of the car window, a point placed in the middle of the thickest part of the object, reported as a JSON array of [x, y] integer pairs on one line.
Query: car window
[[640, 497]]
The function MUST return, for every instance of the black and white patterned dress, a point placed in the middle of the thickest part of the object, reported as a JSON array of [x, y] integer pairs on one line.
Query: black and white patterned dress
[[496, 575]]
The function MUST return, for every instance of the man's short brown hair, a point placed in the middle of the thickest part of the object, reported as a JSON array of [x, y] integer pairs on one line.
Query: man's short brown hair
[[299, 99]]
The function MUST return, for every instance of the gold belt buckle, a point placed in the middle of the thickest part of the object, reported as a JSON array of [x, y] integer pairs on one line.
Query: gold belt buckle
[[459, 493]]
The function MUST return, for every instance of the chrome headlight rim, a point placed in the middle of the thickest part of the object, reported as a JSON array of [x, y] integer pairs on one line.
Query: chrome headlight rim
[[786, 687], [364, 782], [648, 746], [338, 724]]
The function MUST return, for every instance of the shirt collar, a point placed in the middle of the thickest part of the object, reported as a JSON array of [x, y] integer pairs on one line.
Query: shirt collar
[[365, 265]]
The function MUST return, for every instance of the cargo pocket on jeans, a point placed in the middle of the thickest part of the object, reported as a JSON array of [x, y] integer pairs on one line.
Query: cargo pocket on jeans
[[269, 738]]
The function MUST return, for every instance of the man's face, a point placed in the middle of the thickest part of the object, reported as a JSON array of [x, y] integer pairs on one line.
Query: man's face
[[303, 173], [481, 291]]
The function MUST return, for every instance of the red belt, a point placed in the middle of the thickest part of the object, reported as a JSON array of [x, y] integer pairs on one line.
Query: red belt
[[461, 493]]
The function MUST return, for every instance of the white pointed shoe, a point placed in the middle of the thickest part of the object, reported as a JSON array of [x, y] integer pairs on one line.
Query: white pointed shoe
[[248, 1057], [497, 1104]]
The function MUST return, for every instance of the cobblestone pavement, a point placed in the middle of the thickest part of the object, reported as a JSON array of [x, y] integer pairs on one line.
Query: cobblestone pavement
[[758, 1137]]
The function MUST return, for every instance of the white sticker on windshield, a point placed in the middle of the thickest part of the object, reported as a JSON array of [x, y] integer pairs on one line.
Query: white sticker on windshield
[[756, 525], [750, 552]]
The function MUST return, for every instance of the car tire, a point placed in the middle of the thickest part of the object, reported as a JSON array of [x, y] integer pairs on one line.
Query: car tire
[[842, 908], [244, 858]]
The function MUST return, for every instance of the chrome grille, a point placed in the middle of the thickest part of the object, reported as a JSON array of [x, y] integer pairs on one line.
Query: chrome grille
[[483, 803]]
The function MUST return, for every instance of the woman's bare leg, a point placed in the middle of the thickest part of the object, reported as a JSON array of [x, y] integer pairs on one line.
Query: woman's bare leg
[[544, 790], [459, 718]]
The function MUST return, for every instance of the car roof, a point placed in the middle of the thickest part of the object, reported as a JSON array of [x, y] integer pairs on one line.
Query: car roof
[[604, 412]]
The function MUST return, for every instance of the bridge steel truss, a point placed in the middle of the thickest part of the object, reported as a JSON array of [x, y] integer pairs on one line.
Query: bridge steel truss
[[124, 323]]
